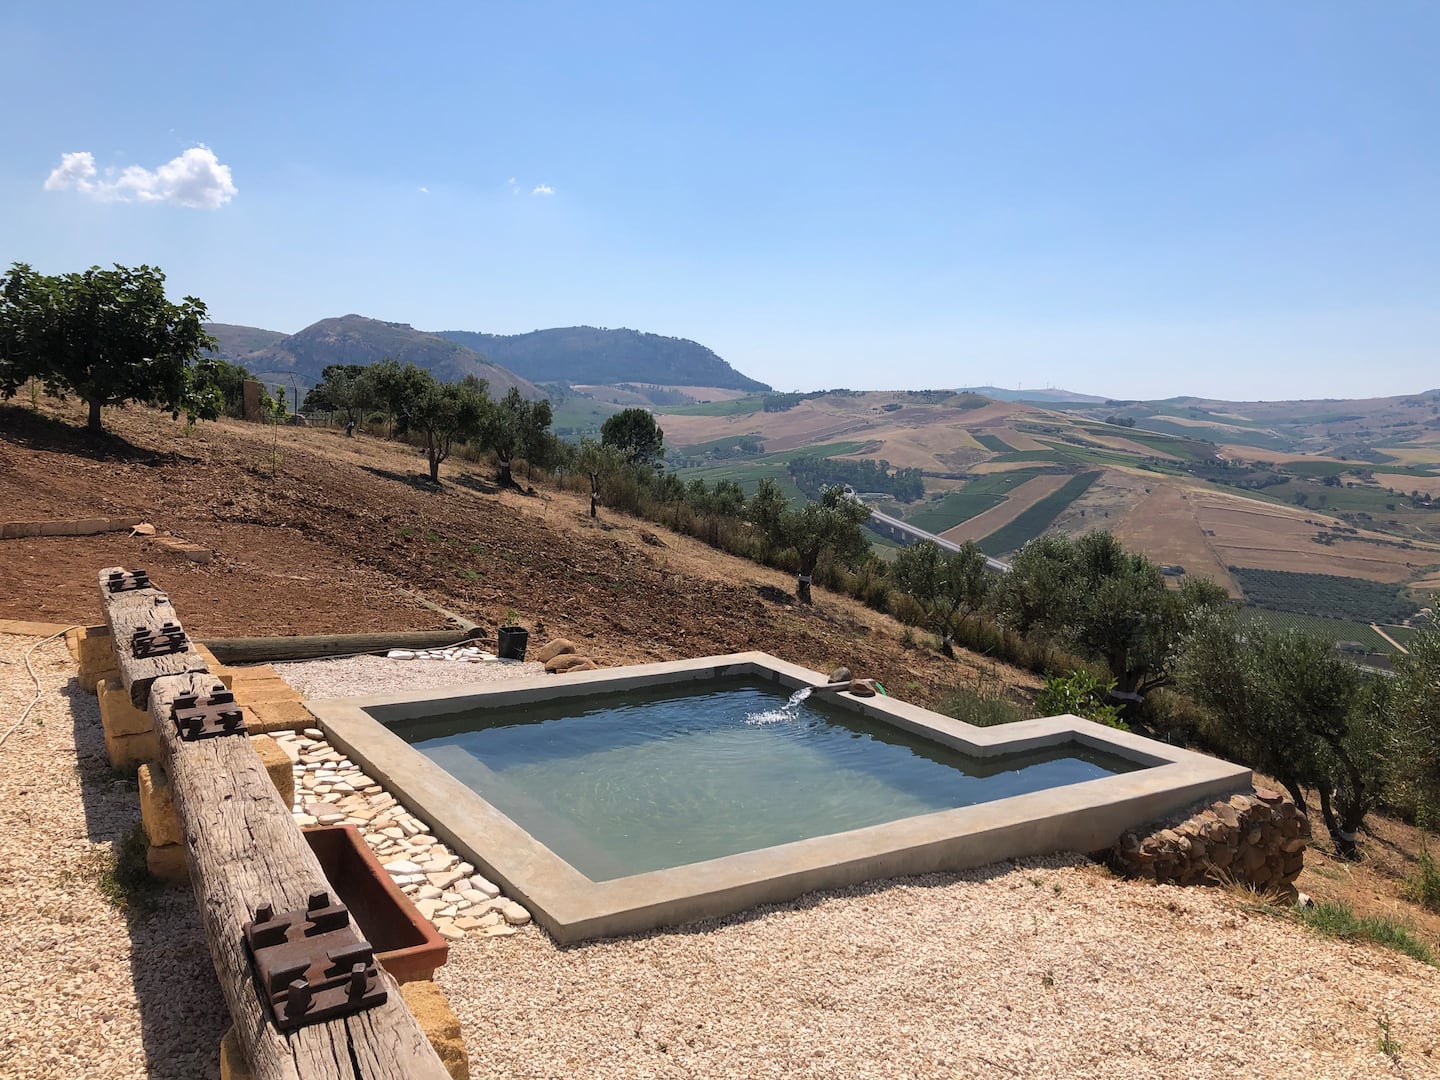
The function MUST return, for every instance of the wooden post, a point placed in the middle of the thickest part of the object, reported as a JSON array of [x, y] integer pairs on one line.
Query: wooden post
[[262, 650], [142, 609], [243, 848]]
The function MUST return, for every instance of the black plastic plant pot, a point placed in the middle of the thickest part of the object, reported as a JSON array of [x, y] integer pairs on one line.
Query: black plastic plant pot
[[513, 640]]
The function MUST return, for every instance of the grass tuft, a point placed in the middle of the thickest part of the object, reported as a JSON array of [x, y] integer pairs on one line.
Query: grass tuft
[[1423, 886], [1338, 920]]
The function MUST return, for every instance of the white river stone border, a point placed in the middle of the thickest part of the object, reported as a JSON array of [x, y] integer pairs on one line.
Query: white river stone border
[[330, 789]]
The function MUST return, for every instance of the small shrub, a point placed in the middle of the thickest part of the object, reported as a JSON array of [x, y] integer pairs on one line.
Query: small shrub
[[1423, 886], [1082, 694]]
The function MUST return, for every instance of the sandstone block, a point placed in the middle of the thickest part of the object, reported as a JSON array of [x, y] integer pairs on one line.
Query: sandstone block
[[157, 806], [167, 862], [93, 681], [91, 647], [558, 665], [233, 1065], [267, 716], [250, 691], [277, 766], [130, 751], [430, 1007], [1292, 844], [552, 649], [117, 714]]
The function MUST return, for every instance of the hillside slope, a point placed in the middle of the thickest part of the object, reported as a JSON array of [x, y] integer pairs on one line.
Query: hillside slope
[[355, 339], [316, 533], [590, 355]]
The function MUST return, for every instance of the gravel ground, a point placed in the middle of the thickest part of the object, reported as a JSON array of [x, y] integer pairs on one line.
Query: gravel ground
[[360, 676], [86, 990], [1042, 967]]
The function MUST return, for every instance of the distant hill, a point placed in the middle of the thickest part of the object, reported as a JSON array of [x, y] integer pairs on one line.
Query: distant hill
[[233, 342], [590, 355], [998, 394], [354, 339]]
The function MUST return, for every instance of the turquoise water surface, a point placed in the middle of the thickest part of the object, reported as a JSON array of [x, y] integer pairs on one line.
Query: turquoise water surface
[[621, 784]]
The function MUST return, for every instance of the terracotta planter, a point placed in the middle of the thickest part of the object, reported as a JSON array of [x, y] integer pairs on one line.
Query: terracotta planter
[[405, 942]]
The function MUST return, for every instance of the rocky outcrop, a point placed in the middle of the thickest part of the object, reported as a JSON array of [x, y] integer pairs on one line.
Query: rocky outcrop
[[1258, 839]]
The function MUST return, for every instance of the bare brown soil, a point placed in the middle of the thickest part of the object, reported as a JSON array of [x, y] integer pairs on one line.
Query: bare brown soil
[[316, 533]]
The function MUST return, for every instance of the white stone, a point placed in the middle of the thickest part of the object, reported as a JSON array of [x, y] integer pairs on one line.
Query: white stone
[[394, 832], [428, 908], [449, 931], [473, 896], [466, 869], [440, 859], [304, 819], [401, 866], [514, 914], [400, 654], [330, 819], [500, 930], [430, 892], [480, 884], [314, 733], [443, 880]]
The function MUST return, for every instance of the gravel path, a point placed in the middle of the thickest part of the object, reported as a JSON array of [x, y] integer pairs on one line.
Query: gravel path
[[1046, 967], [84, 990], [359, 676]]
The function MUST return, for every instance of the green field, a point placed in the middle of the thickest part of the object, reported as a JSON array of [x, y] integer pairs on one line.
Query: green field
[[992, 442], [1325, 595], [974, 498], [748, 472], [711, 408], [1331, 630], [950, 511], [1034, 521], [576, 416]]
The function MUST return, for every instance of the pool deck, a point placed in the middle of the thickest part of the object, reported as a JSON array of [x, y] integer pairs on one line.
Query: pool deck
[[1088, 816]]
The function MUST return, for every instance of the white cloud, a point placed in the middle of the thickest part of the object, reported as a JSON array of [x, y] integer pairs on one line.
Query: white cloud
[[424, 191], [513, 186], [543, 189], [195, 179]]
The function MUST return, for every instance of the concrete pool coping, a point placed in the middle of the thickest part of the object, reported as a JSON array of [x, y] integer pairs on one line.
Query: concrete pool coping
[[1082, 817]]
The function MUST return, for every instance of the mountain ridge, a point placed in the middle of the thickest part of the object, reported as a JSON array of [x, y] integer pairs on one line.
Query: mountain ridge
[[591, 355]]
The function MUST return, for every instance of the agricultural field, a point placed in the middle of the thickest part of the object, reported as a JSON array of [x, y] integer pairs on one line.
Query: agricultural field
[[1021, 499], [992, 442], [1163, 526], [1037, 518], [1324, 594], [1160, 484], [1265, 536], [1333, 630]]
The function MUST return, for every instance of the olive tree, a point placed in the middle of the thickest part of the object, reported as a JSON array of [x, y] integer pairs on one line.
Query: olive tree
[[108, 337], [829, 526], [1287, 703], [1093, 595], [945, 583], [444, 414]]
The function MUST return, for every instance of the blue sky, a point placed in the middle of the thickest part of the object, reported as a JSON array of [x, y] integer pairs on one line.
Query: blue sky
[[1231, 199]]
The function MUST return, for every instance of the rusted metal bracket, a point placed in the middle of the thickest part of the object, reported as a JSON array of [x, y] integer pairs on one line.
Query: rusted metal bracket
[[170, 638], [311, 965], [207, 716], [127, 580]]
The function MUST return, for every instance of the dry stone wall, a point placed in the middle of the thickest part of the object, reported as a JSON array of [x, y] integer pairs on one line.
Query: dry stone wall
[[1258, 839]]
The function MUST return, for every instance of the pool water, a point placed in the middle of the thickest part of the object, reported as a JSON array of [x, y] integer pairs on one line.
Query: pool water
[[622, 784]]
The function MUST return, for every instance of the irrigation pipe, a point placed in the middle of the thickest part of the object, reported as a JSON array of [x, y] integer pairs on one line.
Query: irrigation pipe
[[39, 690]]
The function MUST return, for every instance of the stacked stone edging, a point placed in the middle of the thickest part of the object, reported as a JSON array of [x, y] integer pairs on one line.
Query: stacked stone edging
[[1256, 839]]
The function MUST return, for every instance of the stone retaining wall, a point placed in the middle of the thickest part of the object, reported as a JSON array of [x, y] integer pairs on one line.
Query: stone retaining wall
[[1258, 839]]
